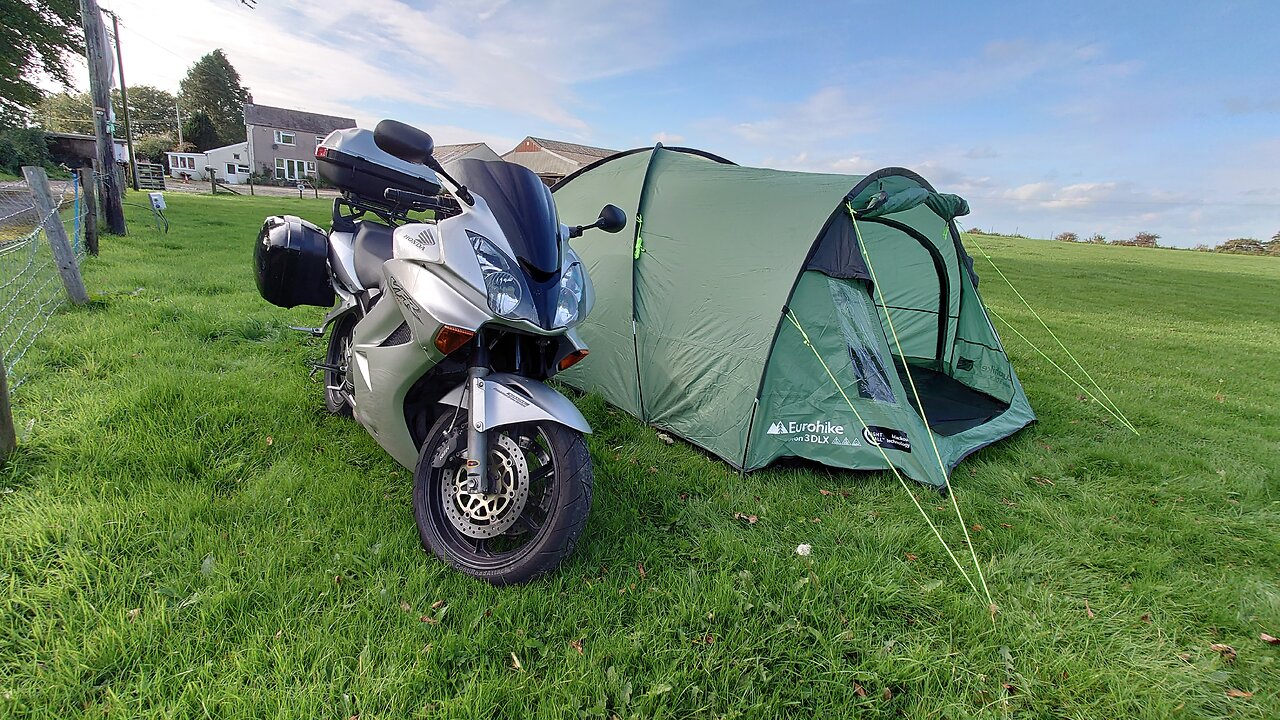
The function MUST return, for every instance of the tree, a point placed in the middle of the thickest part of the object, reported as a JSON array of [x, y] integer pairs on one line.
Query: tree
[[1144, 239], [1097, 239], [1067, 237], [1242, 246], [198, 129], [22, 146], [151, 112], [35, 38], [153, 147], [212, 86]]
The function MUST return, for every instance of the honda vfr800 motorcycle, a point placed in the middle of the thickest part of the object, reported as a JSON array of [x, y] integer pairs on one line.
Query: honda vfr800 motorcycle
[[443, 334]]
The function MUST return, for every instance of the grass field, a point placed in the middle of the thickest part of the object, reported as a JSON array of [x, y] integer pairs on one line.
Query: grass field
[[185, 533]]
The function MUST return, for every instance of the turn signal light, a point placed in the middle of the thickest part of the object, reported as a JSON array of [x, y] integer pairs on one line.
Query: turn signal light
[[451, 338], [572, 359]]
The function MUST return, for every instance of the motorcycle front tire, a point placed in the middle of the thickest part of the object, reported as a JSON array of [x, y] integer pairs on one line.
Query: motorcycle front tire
[[562, 510]]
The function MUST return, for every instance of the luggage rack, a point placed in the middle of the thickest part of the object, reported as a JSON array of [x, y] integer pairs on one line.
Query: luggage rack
[[349, 208]]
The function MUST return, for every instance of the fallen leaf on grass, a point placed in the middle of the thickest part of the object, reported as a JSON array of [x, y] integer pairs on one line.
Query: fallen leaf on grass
[[1146, 618], [134, 613], [1042, 480], [406, 607], [270, 441], [429, 620], [666, 438], [1227, 652], [887, 694], [977, 527], [1269, 639], [1006, 526], [279, 633], [641, 570], [824, 492], [1234, 693], [577, 645], [911, 557], [751, 519], [859, 690], [515, 663], [437, 605], [1088, 610], [1184, 657]]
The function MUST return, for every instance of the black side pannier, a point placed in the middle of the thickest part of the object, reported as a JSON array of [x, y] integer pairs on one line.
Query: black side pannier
[[350, 160], [291, 262]]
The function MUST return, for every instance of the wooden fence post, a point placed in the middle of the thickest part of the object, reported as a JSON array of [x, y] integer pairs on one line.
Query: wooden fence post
[[90, 210], [8, 438], [63, 255]]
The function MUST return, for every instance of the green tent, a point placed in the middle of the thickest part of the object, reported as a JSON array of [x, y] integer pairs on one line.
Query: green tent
[[704, 303]]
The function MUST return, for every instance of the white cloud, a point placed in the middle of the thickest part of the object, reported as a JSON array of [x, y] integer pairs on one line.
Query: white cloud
[[521, 59], [667, 138]]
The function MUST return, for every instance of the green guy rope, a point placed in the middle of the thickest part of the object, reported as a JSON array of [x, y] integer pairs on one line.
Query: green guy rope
[[955, 504], [896, 473], [1114, 409]]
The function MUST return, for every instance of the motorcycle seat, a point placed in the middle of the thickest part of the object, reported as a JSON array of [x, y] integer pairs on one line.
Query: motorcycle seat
[[372, 248]]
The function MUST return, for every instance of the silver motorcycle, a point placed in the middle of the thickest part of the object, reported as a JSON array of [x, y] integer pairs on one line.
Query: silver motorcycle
[[454, 304]]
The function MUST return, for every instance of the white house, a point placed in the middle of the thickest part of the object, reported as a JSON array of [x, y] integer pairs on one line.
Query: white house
[[187, 166], [229, 163]]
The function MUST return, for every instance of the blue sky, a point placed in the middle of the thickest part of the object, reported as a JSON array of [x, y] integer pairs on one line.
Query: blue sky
[[1092, 117]]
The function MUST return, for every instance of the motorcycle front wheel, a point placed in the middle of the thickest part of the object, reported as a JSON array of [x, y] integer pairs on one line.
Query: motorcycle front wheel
[[525, 529]]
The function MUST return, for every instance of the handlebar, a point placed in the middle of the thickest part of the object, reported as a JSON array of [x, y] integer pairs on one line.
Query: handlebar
[[417, 201]]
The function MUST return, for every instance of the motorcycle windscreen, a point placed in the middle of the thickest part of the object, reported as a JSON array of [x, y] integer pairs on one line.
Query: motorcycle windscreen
[[523, 207]]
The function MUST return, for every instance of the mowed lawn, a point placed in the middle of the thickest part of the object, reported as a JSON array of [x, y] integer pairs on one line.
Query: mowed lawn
[[185, 533]]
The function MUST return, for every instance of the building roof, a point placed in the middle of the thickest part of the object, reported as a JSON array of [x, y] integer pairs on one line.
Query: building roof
[[583, 152], [447, 153], [555, 158], [287, 119], [245, 143]]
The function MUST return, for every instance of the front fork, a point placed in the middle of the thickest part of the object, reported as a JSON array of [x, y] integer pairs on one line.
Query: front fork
[[478, 480]]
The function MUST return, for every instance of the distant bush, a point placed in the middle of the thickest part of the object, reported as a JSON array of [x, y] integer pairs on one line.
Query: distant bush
[[1067, 237], [1242, 246], [1142, 239], [1097, 239]]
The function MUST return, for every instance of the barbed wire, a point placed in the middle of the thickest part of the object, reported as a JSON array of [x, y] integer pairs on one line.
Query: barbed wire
[[31, 290]]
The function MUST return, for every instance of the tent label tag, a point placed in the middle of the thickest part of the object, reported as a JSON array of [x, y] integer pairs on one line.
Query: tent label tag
[[887, 437]]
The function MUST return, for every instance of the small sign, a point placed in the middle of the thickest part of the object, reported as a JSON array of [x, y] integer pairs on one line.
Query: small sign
[[157, 200]]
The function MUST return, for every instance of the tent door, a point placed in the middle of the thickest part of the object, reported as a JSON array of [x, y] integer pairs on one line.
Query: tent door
[[943, 287]]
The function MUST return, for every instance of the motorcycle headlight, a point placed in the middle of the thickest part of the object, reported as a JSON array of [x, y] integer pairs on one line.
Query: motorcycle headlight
[[506, 292], [568, 307]]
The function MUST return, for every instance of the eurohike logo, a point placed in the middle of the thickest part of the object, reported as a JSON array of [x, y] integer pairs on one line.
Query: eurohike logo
[[820, 432]]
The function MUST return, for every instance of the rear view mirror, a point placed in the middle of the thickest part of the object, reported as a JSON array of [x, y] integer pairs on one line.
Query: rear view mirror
[[612, 219], [404, 141]]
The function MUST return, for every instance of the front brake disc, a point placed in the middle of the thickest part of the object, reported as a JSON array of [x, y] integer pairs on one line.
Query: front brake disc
[[481, 515]]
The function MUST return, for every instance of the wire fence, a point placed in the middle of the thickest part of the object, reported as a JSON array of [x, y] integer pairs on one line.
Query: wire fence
[[31, 288]]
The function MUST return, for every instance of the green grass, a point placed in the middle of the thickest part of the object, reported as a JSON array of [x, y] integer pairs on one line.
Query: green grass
[[185, 533]]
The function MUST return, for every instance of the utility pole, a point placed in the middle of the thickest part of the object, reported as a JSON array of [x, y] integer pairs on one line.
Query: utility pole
[[124, 99], [178, 114], [99, 85]]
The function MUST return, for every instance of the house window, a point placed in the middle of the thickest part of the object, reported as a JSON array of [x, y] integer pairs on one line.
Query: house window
[[235, 156], [242, 169], [311, 168], [184, 163], [231, 168], [279, 168], [284, 137]]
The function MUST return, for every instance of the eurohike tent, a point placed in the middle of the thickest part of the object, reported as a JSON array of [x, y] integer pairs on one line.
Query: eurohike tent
[[705, 300]]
